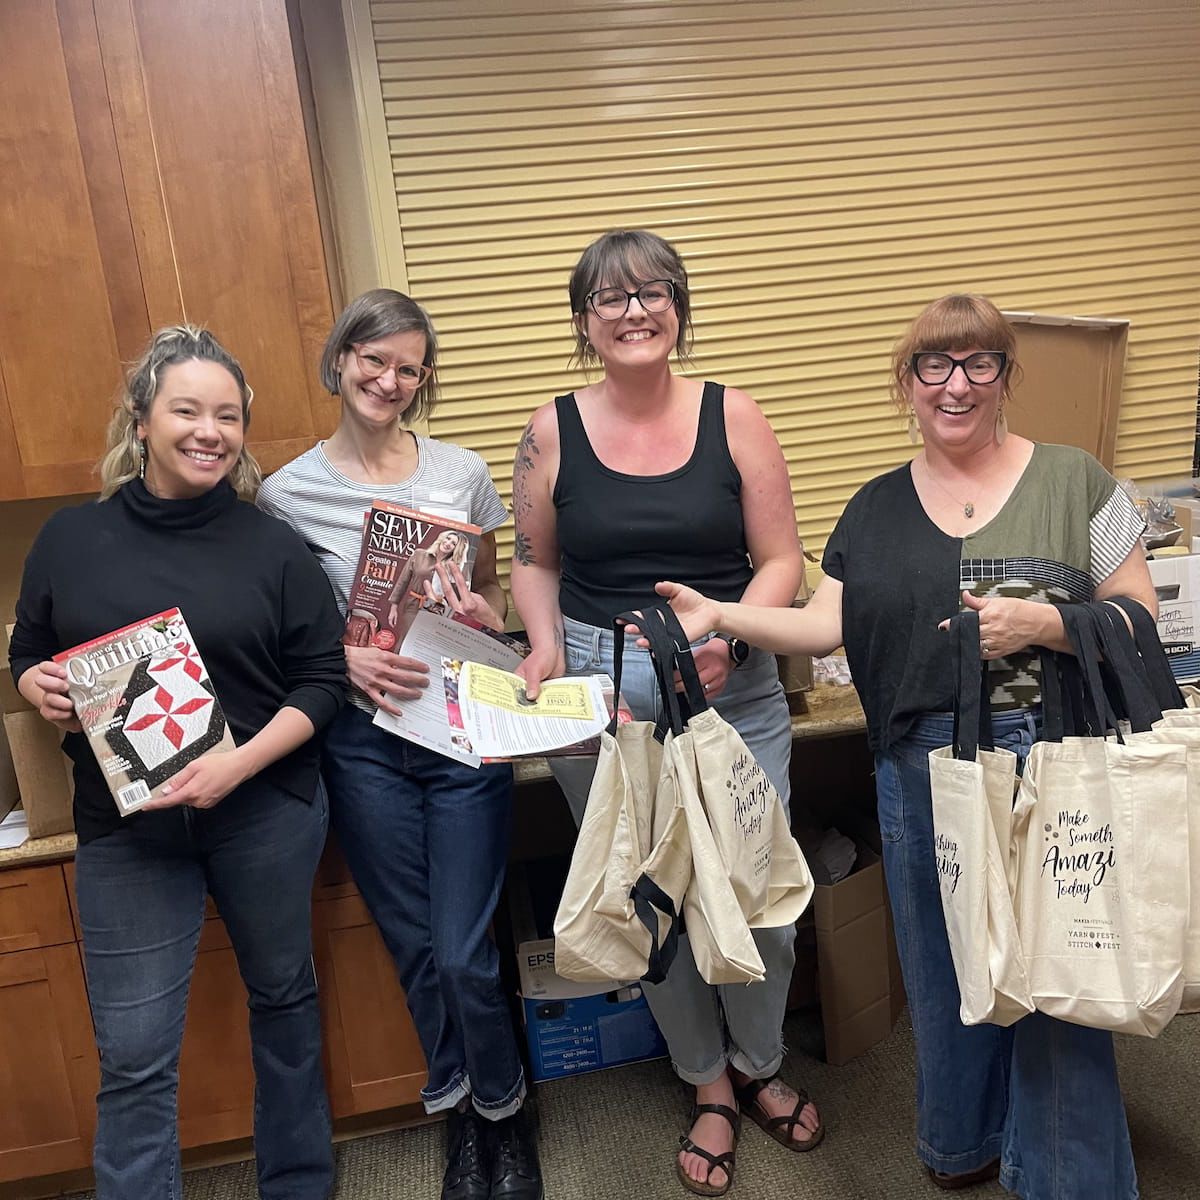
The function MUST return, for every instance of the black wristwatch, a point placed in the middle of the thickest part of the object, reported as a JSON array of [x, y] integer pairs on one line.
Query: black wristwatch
[[739, 651]]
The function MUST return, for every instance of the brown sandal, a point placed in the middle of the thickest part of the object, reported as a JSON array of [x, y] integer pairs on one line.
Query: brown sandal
[[724, 1161], [780, 1128]]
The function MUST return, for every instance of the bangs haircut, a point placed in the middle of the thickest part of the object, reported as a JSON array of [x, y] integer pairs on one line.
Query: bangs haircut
[[625, 258], [953, 323], [376, 314]]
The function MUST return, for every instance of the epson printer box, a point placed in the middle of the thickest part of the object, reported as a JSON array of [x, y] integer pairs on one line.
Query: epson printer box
[[571, 1027]]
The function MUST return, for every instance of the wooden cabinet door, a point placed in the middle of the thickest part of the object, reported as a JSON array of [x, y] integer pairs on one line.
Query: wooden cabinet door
[[71, 307], [211, 136], [372, 1057], [33, 909], [155, 169], [50, 1068]]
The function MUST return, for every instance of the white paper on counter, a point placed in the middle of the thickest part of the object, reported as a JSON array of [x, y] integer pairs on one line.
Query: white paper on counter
[[14, 830]]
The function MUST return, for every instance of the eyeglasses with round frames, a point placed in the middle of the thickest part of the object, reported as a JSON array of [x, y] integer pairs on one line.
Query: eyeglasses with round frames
[[612, 303], [373, 364], [984, 366]]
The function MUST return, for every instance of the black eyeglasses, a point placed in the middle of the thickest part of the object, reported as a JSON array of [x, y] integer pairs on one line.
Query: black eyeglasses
[[984, 366], [612, 303]]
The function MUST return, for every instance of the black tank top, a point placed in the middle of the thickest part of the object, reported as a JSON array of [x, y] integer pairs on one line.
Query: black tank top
[[618, 534]]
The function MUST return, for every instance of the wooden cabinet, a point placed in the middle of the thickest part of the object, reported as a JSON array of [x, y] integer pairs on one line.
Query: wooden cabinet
[[49, 1071], [372, 1057], [156, 169], [48, 1061]]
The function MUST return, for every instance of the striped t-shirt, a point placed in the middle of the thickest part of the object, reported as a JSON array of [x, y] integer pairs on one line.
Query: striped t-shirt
[[326, 508]]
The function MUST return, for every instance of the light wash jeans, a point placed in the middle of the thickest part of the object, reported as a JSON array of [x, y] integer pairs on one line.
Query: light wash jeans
[[706, 1028], [427, 839], [1043, 1095], [141, 892]]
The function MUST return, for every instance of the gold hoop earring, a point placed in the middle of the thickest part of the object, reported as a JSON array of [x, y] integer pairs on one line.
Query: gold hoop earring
[[914, 428]]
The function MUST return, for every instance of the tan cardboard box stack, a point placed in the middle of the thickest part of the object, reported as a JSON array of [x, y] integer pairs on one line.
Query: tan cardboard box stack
[[858, 973], [34, 747]]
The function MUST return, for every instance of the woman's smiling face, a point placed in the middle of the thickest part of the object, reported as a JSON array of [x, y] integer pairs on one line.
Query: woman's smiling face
[[194, 431], [384, 399]]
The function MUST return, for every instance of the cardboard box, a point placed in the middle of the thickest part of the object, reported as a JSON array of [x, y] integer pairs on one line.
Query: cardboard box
[[43, 773], [1177, 583], [1072, 373], [860, 998], [570, 1027]]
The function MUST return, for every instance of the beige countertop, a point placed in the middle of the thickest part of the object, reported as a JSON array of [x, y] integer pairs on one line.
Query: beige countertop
[[829, 711]]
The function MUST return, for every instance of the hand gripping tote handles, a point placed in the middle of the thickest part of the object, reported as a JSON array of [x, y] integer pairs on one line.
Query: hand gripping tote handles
[[1099, 826], [748, 871], [618, 918], [973, 786]]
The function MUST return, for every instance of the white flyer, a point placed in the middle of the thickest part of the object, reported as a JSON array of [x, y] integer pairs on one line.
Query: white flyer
[[500, 720], [425, 721]]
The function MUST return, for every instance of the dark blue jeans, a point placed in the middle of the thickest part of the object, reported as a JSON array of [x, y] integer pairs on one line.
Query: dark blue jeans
[[141, 892], [427, 841], [1042, 1094]]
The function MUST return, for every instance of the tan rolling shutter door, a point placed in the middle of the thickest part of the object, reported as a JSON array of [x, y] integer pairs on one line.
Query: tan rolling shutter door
[[825, 168]]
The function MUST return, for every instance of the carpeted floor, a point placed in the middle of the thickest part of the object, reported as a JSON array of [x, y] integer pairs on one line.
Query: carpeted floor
[[611, 1134]]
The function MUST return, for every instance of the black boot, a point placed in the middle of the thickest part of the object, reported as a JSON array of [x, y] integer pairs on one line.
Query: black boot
[[467, 1167], [516, 1172]]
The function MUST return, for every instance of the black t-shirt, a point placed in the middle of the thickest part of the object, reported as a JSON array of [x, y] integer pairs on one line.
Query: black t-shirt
[[1064, 529]]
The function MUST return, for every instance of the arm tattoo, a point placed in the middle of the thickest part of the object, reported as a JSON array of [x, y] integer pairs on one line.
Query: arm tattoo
[[523, 463], [523, 549]]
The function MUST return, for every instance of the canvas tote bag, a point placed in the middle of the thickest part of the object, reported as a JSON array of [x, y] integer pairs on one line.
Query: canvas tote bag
[[1145, 658], [973, 787], [1097, 828], [747, 868], [618, 918]]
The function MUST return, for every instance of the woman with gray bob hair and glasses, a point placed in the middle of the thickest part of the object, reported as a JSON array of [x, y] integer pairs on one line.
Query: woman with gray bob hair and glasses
[[426, 836]]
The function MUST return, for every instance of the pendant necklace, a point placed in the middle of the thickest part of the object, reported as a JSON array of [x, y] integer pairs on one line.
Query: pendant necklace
[[968, 506]]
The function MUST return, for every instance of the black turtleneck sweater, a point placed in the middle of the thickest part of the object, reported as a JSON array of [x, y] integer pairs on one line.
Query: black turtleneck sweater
[[256, 601]]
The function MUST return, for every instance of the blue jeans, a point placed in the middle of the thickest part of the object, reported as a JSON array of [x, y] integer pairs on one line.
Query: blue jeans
[[141, 892], [1042, 1095], [706, 1028], [427, 840]]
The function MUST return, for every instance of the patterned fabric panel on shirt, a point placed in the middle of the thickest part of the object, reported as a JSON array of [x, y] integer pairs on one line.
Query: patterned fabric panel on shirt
[[1060, 548]]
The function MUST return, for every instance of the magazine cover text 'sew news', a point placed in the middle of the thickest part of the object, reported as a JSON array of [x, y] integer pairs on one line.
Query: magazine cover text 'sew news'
[[146, 704], [401, 550]]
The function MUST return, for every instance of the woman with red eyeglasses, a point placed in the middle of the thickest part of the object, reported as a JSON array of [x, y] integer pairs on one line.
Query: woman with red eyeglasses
[[426, 836]]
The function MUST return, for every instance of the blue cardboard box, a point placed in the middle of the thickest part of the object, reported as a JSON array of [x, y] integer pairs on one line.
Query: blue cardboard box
[[571, 1027]]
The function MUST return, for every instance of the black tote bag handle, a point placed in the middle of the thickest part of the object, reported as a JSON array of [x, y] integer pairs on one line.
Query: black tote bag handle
[[648, 898], [1154, 658], [1127, 672], [694, 698], [1080, 624], [662, 654], [972, 689]]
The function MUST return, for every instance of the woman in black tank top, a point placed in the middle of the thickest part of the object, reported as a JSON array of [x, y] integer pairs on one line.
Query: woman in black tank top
[[636, 477]]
